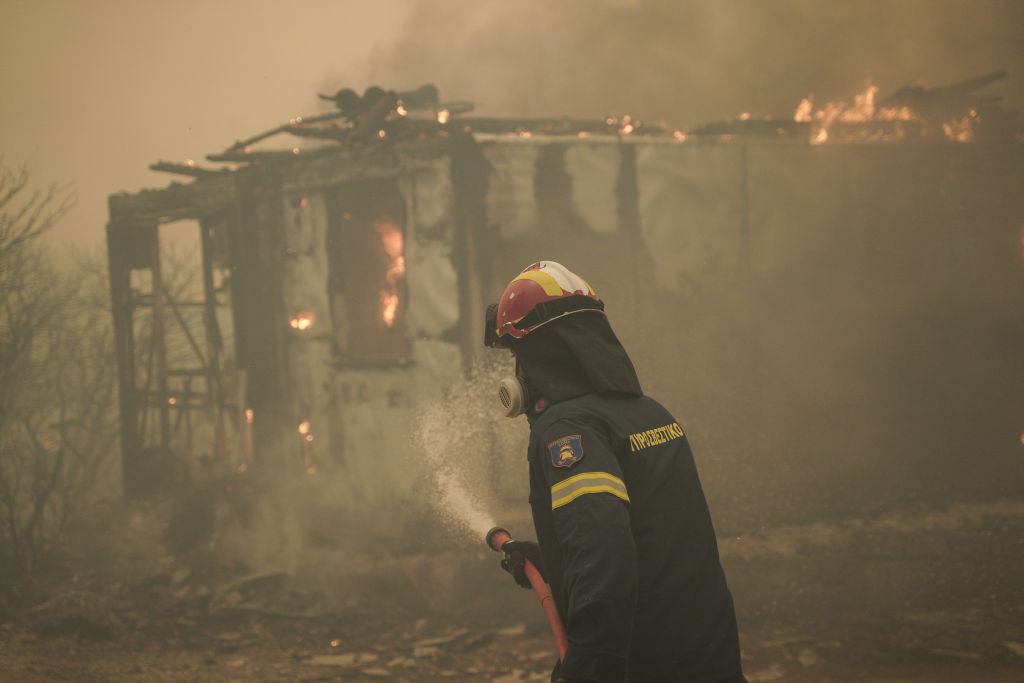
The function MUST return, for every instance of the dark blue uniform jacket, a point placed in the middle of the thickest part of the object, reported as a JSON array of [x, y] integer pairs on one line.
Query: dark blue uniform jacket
[[627, 544]]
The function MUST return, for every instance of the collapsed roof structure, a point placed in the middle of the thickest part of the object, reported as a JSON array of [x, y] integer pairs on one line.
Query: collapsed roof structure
[[344, 272]]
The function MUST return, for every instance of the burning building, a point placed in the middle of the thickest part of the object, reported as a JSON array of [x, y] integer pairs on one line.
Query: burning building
[[831, 298]]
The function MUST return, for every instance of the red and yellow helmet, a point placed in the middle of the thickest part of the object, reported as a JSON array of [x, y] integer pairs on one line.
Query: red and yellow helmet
[[543, 292]]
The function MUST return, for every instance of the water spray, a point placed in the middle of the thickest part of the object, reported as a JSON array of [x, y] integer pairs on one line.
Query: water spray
[[496, 539]]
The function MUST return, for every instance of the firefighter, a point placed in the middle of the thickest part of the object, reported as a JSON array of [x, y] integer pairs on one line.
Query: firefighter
[[624, 536]]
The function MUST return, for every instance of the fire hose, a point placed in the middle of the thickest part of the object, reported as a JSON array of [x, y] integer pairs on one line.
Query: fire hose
[[497, 538]]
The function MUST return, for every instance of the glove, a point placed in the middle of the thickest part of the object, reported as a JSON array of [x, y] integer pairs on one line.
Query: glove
[[516, 554]]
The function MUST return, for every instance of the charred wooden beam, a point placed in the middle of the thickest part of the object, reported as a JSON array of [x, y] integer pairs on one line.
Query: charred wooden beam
[[276, 155], [948, 100], [177, 201], [769, 128], [183, 169], [240, 145]]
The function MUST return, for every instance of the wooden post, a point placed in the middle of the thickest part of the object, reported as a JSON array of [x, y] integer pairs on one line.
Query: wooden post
[[124, 348], [160, 340]]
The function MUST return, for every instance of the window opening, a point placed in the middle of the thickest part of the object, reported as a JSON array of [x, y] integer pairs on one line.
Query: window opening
[[366, 247]]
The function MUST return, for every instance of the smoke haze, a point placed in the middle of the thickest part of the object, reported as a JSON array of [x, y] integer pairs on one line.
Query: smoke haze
[[95, 92]]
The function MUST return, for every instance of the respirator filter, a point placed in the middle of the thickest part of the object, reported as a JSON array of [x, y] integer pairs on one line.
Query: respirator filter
[[513, 396]]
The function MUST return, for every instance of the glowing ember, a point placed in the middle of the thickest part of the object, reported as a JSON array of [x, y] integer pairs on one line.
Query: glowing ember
[[335, 643], [248, 415], [295, 150], [679, 136], [172, 400], [304, 427], [311, 469], [303, 202], [443, 116], [382, 133], [303, 320], [190, 162]]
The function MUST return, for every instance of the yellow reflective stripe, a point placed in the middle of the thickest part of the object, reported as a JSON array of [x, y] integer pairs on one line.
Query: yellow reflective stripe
[[586, 482], [547, 283]]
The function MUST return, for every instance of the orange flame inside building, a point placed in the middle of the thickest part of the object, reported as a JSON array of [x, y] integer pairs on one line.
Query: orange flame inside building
[[394, 246]]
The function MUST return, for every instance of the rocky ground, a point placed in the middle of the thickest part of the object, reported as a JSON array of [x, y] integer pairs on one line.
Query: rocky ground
[[932, 596]]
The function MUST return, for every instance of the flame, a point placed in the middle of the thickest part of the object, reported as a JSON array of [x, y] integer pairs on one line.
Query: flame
[[804, 109], [382, 133], [863, 110], [679, 136], [295, 150], [394, 246], [400, 109], [248, 415], [172, 400], [863, 106], [961, 129], [443, 116], [303, 320], [388, 307], [304, 427]]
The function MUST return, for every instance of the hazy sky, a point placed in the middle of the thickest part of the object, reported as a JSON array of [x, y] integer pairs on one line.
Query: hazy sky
[[93, 91]]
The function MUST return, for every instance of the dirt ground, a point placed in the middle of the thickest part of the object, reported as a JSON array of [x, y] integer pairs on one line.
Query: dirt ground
[[933, 596]]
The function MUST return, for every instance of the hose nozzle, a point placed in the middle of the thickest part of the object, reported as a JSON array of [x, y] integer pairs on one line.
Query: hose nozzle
[[496, 538]]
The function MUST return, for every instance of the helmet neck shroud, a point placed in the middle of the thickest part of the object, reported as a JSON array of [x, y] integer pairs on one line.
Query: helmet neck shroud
[[574, 355]]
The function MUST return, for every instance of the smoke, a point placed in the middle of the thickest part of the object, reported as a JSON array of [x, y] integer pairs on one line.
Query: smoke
[[688, 62]]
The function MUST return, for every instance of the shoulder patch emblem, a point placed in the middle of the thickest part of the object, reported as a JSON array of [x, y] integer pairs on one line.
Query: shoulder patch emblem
[[567, 451]]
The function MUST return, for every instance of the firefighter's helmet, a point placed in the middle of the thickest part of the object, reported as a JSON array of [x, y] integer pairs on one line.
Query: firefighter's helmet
[[543, 292]]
